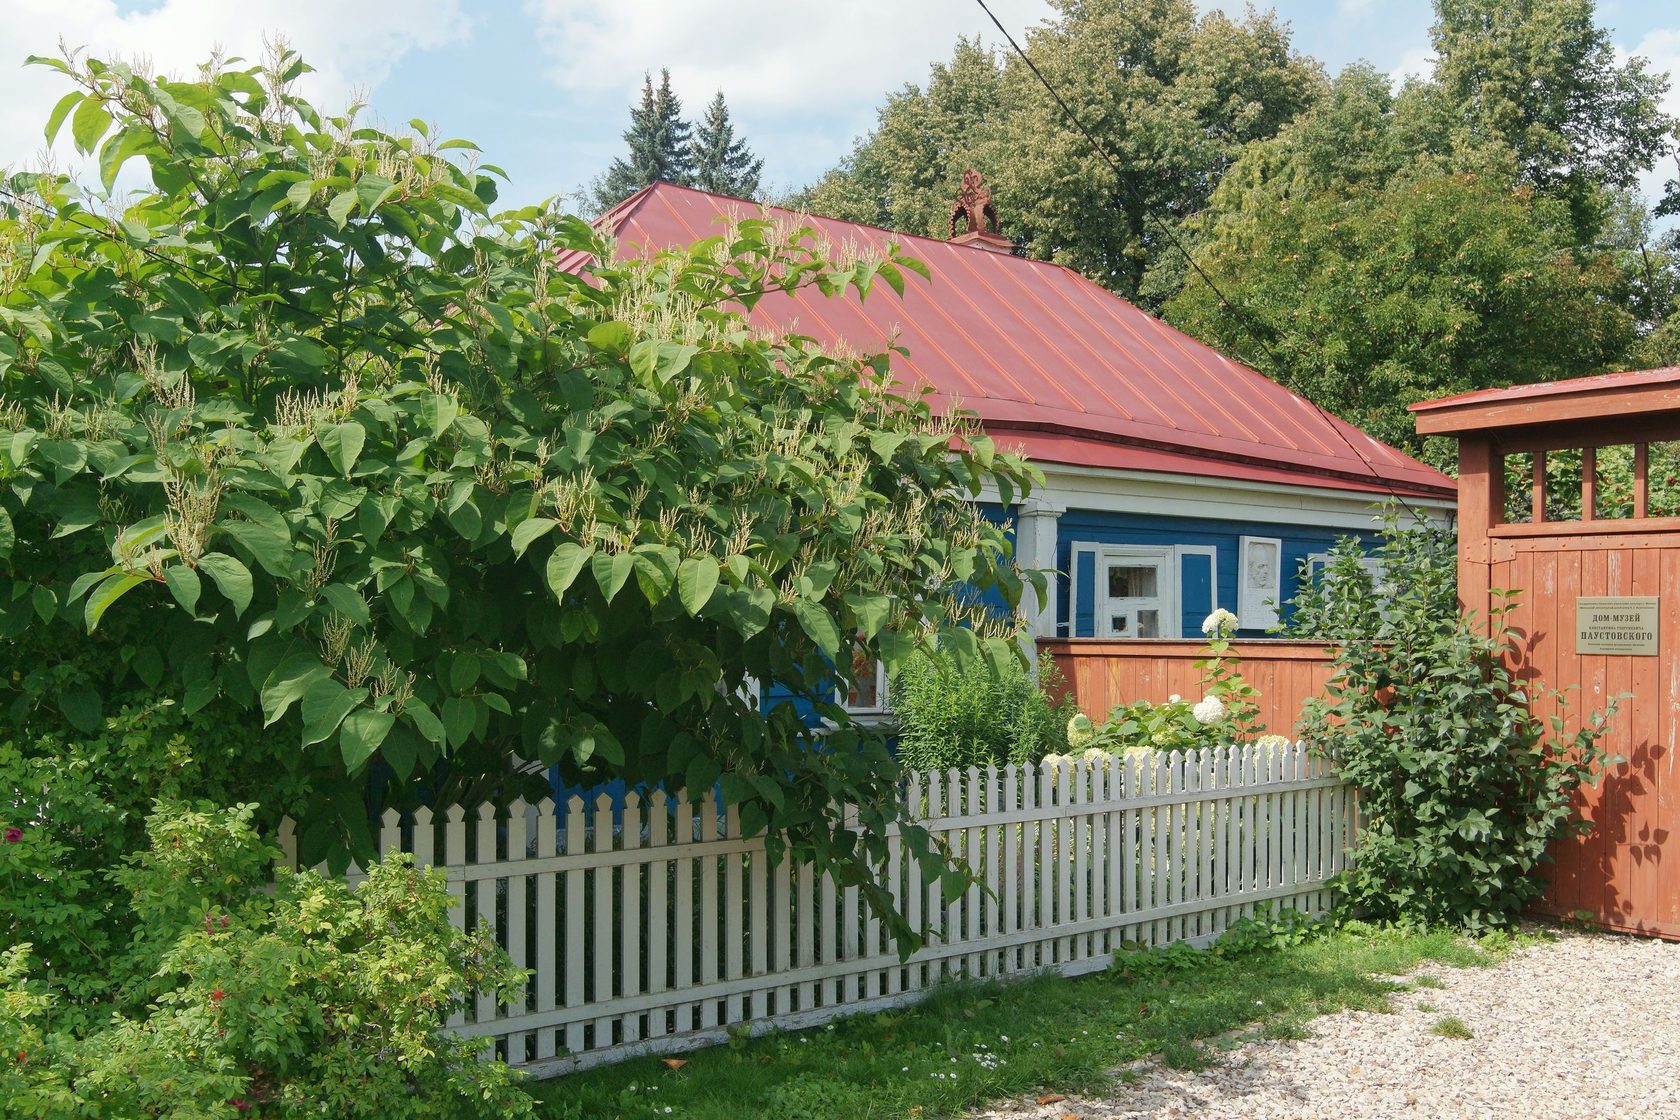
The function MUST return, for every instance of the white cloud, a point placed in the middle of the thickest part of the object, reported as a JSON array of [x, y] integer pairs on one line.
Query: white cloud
[[770, 58], [352, 46], [1419, 62]]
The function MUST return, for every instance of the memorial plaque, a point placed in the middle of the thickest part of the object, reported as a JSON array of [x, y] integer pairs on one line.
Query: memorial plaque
[[1616, 624]]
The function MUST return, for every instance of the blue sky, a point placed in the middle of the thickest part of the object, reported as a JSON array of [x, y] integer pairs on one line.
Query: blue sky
[[544, 86]]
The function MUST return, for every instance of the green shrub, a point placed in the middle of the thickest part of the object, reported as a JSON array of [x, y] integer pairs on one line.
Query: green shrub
[[307, 999], [1461, 786], [972, 712]]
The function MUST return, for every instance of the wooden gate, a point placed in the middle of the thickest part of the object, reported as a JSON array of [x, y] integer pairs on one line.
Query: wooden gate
[[1568, 495]]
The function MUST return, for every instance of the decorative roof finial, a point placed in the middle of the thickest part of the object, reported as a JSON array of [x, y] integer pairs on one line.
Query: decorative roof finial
[[974, 203]]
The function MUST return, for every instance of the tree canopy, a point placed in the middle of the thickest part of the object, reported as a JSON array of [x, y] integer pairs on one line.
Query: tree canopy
[[308, 439], [664, 147], [1364, 244], [723, 164]]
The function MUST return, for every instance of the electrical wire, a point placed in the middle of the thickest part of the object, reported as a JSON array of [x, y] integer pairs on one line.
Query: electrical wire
[[1239, 314]]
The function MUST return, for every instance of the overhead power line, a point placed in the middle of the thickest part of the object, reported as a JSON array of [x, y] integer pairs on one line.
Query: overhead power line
[[1239, 314]]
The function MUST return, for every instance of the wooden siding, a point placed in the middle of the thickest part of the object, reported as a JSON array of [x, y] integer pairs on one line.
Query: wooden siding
[[1102, 674]]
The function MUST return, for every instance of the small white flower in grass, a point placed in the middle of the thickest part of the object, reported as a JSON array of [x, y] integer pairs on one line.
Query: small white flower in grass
[[1220, 624], [1210, 710]]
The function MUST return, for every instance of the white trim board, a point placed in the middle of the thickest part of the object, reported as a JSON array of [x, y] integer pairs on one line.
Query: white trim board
[[1105, 490]]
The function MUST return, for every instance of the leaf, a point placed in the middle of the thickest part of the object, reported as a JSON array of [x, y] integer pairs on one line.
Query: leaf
[[184, 584], [460, 716], [232, 578], [112, 588], [89, 124], [55, 119], [426, 722], [82, 708], [289, 682], [339, 208], [343, 444], [1052, 1098], [697, 578], [441, 412], [463, 672], [362, 732], [529, 530], [8, 534], [325, 704], [564, 564], [611, 572], [819, 625], [870, 609], [675, 1063]]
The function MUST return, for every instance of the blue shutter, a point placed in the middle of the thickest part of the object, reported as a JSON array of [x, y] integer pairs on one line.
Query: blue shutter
[[1085, 597], [1195, 591]]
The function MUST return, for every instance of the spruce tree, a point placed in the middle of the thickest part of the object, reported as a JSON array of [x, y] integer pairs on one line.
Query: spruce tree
[[723, 164], [661, 147]]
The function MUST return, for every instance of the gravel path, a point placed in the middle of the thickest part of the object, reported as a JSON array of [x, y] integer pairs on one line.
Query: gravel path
[[1586, 1028]]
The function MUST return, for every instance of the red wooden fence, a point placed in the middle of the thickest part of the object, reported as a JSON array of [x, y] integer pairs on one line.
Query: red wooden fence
[[1102, 674]]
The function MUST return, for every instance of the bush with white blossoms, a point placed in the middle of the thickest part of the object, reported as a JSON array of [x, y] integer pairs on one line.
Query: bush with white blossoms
[[1226, 713], [1210, 711], [1220, 624]]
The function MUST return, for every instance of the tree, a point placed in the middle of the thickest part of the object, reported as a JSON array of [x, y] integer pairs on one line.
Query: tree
[[1541, 77], [305, 438], [661, 147], [1173, 96], [906, 173], [723, 164], [1384, 295]]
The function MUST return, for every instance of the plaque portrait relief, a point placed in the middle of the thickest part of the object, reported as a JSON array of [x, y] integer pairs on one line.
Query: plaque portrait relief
[[1259, 567]]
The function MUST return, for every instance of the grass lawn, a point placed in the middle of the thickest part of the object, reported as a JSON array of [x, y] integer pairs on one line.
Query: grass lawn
[[971, 1044]]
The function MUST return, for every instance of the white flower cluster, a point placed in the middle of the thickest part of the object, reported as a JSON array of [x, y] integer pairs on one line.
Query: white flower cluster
[[1220, 624], [1210, 710]]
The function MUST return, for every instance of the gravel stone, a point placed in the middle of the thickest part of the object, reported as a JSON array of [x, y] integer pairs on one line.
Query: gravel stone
[[1584, 1028]]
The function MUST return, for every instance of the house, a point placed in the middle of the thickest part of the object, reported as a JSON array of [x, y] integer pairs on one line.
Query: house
[[1177, 480]]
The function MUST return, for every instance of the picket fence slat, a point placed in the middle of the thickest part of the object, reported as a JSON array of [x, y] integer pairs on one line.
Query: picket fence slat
[[653, 926]]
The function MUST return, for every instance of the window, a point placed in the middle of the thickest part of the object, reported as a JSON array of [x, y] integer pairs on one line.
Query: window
[[868, 694], [1135, 592]]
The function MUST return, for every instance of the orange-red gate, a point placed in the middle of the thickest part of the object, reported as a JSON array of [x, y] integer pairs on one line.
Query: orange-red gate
[[1569, 494]]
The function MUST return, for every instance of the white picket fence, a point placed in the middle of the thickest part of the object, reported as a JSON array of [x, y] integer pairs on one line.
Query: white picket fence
[[659, 929]]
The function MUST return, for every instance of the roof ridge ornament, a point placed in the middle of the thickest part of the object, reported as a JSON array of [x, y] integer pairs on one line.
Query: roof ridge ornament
[[974, 203]]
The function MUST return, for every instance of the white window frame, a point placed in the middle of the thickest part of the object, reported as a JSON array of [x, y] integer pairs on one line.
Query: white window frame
[[1166, 586]]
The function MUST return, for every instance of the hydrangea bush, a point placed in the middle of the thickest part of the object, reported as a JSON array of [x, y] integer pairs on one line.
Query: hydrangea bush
[[1227, 712]]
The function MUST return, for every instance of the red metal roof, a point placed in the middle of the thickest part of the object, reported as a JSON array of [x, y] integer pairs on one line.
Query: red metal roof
[[1035, 349]]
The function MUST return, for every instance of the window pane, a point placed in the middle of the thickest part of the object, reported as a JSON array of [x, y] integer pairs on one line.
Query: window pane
[[1149, 624], [866, 690], [1120, 625], [1132, 581]]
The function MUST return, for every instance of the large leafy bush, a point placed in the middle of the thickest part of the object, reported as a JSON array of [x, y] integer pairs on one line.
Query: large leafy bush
[[1461, 787], [310, 999], [304, 438]]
